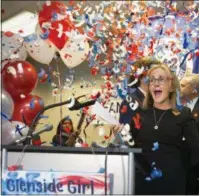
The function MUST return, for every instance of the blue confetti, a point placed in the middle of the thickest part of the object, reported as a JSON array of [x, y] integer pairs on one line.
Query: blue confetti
[[146, 80], [70, 8], [101, 170], [102, 70], [185, 42], [155, 173], [178, 100], [179, 107], [49, 79], [80, 49], [121, 92], [41, 102], [86, 16], [131, 90], [155, 146], [125, 82], [30, 38], [54, 16], [32, 103], [95, 48], [128, 69], [45, 35], [41, 73]]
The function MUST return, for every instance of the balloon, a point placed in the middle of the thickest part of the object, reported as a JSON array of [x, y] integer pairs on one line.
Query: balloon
[[12, 131], [73, 53], [12, 47], [53, 17], [39, 48], [7, 106], [19, 77], [28, 108]]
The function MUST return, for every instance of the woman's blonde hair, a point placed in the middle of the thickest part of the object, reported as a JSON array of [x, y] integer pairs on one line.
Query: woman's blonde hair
[[148, 101]]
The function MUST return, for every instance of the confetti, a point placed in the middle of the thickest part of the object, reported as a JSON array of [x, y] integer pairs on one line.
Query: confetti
[[155, 173], [32, 103], [155, 146], [136, 120], [101, 170]]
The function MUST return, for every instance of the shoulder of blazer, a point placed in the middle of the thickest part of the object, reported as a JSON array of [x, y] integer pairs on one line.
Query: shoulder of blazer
[[196, 107]]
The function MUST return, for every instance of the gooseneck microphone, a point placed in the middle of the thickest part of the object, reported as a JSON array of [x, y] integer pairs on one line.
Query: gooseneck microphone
[[76, 105], [46, 128]]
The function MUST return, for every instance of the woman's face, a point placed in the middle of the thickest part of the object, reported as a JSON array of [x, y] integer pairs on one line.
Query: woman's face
[[67, 126], [160, 86]]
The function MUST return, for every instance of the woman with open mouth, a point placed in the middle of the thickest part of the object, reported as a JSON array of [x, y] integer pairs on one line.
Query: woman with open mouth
[[158, 128], [163, 124]]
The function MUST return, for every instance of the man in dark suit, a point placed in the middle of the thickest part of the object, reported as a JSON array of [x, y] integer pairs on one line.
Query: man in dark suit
[[190, 95], [137, 89]]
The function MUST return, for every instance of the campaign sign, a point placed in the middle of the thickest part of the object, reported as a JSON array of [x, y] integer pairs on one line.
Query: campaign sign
[[54, 183]]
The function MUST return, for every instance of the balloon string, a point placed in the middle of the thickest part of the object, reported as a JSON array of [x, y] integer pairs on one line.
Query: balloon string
[[60, 89]]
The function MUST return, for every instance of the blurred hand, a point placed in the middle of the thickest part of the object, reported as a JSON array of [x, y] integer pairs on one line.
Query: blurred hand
[[115, 129]]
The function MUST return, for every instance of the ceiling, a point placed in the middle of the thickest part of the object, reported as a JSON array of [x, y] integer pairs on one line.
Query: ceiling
[[11, 8]]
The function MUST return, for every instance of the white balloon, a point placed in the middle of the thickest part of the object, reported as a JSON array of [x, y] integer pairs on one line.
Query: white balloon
[[12, 47], [10, 133], [40, 49], [74, 52]]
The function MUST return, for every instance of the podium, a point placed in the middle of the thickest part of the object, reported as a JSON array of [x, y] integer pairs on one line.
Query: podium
[[120, 162]]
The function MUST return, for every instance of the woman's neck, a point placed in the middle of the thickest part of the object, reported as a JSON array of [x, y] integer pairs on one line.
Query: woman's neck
[[162, 106]]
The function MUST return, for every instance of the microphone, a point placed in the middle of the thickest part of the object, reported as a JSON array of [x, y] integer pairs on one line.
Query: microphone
[[74, 104], [47, 127]]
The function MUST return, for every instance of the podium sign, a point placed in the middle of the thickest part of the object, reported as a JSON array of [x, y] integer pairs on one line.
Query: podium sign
[[54, 183]]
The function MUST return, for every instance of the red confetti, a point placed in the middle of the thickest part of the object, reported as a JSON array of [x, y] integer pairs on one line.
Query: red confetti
[[15, 167], [106, 137], [137, 121], [44, 78], [8, 33], [94, 71], [36, 142], [20, 31], [67, 55], [197, 53], [123, 109], [85, 145]]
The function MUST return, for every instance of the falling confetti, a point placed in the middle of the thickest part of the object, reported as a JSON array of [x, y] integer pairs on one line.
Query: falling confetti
[[155, 146]]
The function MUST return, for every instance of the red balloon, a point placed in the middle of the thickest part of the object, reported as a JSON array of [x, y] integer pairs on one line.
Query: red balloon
[[19, 77], [28, 108], [55, 15]]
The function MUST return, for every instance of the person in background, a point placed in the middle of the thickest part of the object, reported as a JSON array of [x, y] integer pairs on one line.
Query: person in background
[[137, 88], [190, 96], [157, 128], [66, 135]]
